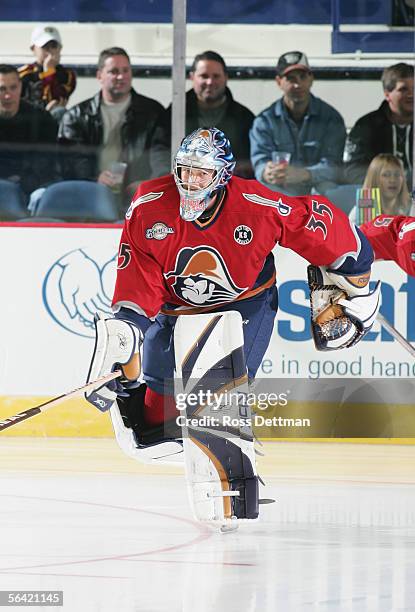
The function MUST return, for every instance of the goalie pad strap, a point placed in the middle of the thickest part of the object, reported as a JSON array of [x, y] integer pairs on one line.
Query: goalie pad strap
[[352, 285]]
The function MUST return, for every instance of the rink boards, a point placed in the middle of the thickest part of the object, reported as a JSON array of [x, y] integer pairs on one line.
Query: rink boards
[[57, 276]]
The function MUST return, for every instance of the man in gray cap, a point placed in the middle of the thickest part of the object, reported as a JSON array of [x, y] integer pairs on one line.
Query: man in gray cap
[[309, 131]]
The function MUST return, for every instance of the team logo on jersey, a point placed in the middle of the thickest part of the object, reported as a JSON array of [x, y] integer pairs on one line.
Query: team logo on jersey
[[159, 231], [243, 234], [147, 197], [201, 277], [406, 227], [283, 208]]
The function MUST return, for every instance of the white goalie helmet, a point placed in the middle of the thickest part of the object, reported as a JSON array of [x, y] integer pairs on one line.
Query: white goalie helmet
[[206, 149]]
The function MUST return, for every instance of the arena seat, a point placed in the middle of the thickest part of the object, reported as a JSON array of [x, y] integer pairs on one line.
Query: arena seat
[[12, 201], [78, 201], [343, 196]]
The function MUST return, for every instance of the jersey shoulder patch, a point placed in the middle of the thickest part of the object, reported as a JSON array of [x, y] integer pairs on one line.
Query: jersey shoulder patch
[[142, 199], [406, 227], [283, 208]]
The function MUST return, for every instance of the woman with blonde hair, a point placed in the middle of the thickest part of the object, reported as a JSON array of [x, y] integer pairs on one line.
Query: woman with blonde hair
[[387, 173]]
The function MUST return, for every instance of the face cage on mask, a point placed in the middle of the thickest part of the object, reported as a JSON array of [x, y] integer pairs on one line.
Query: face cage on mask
[[194, 202]]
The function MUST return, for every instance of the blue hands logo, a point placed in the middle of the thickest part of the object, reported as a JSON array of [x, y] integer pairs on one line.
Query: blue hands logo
[[75, 288]]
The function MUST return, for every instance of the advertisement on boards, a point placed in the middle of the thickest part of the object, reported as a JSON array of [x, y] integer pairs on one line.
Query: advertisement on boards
[[59, 277]]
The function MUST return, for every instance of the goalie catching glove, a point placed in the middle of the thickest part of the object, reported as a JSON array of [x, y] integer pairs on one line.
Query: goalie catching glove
[[343, 309], [117, 346]]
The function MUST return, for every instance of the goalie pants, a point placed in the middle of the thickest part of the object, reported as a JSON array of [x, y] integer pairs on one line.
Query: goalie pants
[[258, 316]]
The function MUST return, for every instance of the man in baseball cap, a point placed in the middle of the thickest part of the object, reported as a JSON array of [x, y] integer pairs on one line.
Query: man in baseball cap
[[297, 143], [293, 60], [46, 83]]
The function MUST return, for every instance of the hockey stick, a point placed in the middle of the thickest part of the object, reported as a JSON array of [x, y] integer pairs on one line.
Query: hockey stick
[[27, 414], [394, 332]]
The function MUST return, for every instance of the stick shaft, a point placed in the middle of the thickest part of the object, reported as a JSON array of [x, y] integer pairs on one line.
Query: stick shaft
[[397, 335], [30, 412]]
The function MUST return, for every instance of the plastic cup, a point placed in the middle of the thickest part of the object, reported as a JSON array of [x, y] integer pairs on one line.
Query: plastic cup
[[282, 158], [117, 170]]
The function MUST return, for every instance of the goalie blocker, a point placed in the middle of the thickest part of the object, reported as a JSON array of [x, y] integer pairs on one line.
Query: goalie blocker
[[343, 309], [117, 344]]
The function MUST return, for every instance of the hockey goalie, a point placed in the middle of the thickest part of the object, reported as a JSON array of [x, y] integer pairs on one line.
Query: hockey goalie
[[194, 308]]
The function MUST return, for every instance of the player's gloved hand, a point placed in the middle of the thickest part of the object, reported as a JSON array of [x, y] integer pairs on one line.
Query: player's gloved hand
[[117, 346], [362, 309], [343, 308]]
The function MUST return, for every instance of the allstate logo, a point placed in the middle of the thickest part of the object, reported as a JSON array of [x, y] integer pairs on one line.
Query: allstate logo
[[76, 286]]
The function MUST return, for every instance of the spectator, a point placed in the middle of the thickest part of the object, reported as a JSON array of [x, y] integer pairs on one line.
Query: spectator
[[403, 13], [210, 104], [387, 129], [46, 83], [116, 125], [386, 172], [27, 136], [300, 124]]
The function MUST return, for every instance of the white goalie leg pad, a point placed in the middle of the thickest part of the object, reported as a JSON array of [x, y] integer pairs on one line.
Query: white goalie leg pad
[[221, 477], [117, 342], [168, 452], [218, 442]]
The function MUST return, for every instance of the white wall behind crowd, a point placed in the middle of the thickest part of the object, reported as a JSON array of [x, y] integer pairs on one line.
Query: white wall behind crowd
[[54, 279]]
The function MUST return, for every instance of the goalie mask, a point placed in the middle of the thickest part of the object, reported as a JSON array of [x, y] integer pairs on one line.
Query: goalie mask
[[203, 165]]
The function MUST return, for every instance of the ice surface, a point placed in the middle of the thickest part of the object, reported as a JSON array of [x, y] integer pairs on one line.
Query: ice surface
[[77, 516]]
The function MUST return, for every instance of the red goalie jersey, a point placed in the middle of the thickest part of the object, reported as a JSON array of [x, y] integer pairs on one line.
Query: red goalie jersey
[[393, 238], [167, 263]]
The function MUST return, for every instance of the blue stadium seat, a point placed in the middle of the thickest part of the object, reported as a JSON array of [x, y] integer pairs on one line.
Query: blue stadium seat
[[343, 196], [78, 201], [12, 202]]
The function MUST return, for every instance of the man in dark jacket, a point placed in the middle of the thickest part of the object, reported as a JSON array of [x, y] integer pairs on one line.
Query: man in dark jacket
[[210, 104], [111, 130], [27, 136], [387, 129]]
